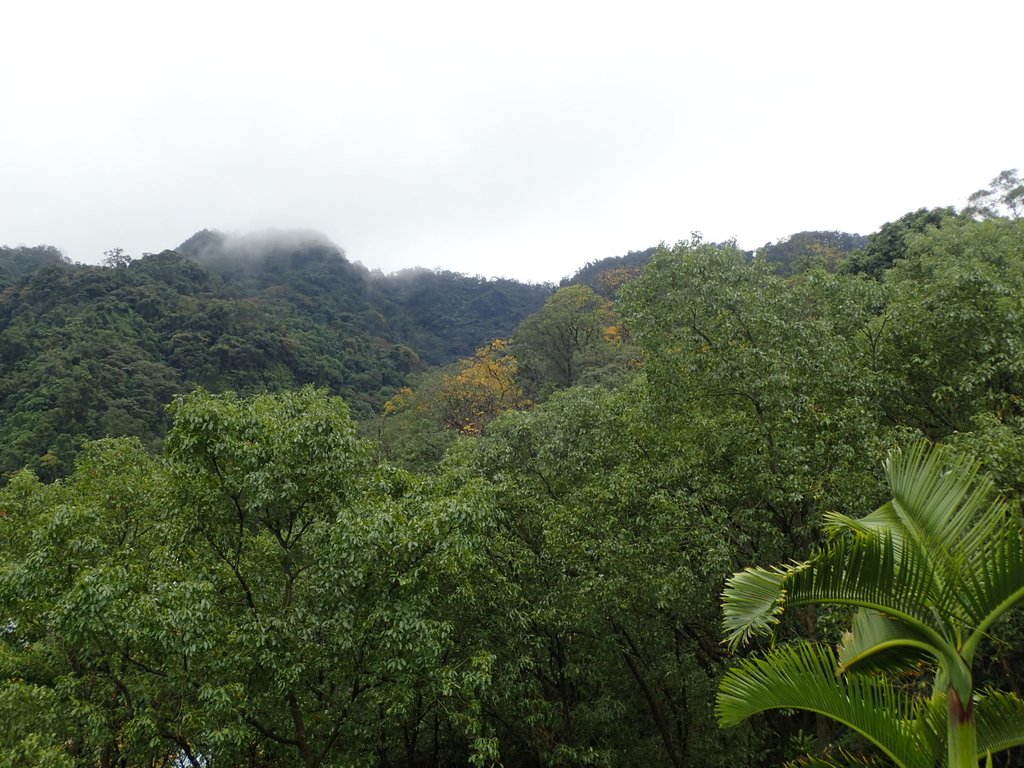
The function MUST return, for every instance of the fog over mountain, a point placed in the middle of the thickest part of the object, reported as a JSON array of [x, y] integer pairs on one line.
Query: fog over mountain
[[495, 141]]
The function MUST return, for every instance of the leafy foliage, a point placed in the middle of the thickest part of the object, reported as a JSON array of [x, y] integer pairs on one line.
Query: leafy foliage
[[930, 573], [87, 352], [889, 244], [951, 332], [262, 596], [803, 250], [574, 339], [482, 389], [594, 605], [768, 379], [15, 263], [606, 276]]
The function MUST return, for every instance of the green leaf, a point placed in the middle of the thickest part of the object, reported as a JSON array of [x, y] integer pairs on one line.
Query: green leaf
[[803, 677], [993, 583], [942, 501], [1000, 718], [867, 572], [878, 642], [753, 601]]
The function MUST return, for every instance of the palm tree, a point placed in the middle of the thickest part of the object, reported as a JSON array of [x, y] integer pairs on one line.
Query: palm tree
[[929, 573]]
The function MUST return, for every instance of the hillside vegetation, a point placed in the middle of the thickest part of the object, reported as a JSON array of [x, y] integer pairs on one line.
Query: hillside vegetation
[[94, 351]]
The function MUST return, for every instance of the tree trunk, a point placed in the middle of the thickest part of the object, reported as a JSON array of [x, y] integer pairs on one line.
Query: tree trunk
[[962, 733]]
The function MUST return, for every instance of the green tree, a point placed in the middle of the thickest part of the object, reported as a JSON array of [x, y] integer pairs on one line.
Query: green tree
[[23, 260], [764, 384], [599, 596], [947, 347], [261, 596], [552, 344], [929, 573], [889, 244], [116, 258], [1003, 198], [408, 432], [805, 250], [98, 616], [329, 582]]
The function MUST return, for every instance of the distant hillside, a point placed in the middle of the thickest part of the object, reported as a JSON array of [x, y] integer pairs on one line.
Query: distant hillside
[[787, 255], [441, 315], [445, 315], [805, 248], [88, 351], [22, 260], [605, 276]]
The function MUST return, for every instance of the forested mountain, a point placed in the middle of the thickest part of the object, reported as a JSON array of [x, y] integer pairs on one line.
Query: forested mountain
[[20, 261], [90, 351], [441, 315], [800, 251], [805, 249], [606, 275], [520, 560], [446, 315]]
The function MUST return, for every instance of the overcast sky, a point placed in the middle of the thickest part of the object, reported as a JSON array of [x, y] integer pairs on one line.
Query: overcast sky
[[504, 139]]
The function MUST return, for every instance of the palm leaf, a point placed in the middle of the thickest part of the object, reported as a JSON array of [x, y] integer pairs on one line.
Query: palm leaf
[[871, 572], [931, 722], [939, 563], [878, 642], [753, 600], [882, 519], [942, 502], [867, 572], [802, 677], [1000, 718], [994, 583]]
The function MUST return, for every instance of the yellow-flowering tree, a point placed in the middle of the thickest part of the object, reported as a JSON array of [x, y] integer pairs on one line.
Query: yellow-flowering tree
[[484, 387]]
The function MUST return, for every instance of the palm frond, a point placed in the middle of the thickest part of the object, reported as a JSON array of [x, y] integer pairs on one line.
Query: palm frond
[[803, 676], [870, 572], [882, 519], [1000, 718], [753, 600], [942, 501], [867, 572], [877, 642], [931, 722], [994, 583]]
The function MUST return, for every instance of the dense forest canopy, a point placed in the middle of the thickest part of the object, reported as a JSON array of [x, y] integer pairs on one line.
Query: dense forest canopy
[[17, 262], [276, 514], [803, 248], [92, 351]]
